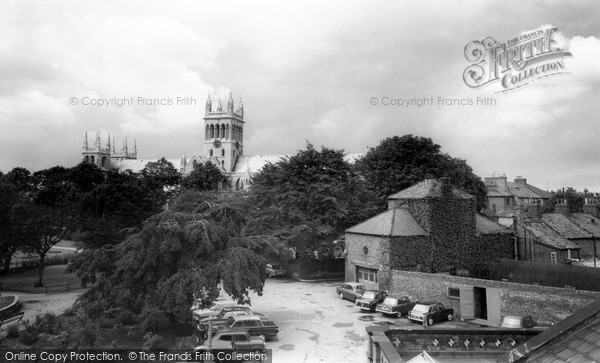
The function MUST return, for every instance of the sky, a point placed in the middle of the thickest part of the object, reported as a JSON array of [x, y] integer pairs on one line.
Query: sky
[[305, 71]]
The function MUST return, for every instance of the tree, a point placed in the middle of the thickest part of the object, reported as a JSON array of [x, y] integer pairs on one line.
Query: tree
[[205, 177], [308, 198], [175, 256], [9, 223], [162, 173], [574, 199], [400, 162]]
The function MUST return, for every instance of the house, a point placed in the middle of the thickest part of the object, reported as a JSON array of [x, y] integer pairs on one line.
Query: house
[[430, 226], [561, 237], [502, 196]]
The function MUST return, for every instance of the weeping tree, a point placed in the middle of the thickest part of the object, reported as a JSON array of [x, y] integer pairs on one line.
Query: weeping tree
[[175, 256]]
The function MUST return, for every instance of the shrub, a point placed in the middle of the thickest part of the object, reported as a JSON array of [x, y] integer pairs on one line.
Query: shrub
[[29, 336], [48, 323], [12, 331], [154, 321], [152, 341], [126, 317]]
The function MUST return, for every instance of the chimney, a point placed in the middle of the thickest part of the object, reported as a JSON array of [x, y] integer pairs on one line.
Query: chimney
[[446, 187], [533, 210], [519, 213], [520, 180], [591, 207], [562, 207]]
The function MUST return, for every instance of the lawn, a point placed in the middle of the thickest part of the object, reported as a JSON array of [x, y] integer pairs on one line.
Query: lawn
[[52, 275]]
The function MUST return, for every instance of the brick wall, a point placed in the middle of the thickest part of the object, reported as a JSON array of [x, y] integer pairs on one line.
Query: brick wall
[[377, 256], [545, 304]]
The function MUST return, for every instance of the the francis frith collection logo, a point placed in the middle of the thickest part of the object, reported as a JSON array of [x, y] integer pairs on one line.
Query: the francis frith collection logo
[[516, 62]]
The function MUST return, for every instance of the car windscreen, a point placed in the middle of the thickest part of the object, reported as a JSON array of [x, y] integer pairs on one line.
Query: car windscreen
[[276, 267], [390, 301], [369, 295], [421, 308], [359, 287]]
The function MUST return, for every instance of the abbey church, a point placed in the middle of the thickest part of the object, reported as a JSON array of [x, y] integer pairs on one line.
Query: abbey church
[[223, 146]]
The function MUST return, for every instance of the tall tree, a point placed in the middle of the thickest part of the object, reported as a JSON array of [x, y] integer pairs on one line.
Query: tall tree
[[162, 173], [175, 256], [308, 198], [399, 162], [205, 177]]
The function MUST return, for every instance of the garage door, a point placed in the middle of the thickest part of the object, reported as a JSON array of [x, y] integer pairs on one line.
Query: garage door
[[368, 276]]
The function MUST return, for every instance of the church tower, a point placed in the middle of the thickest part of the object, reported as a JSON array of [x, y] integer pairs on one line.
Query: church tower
[[224, 133], [96, 154]]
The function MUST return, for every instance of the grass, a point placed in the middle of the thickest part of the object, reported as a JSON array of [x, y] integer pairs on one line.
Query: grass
[[52, 274]]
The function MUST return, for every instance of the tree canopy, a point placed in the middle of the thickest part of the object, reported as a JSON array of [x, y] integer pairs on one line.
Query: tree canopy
[[205, 177], [401, 161], [308, 198]]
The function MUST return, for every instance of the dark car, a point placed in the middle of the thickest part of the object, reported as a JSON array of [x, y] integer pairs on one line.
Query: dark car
[[430, 312], [370, 299], [397, 306], [350, 291]]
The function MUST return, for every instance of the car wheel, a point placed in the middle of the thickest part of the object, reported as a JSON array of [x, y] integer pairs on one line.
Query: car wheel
[[399, 314], [430, 321], [355, 300], [450, 317], [341, 296], [257, 351]]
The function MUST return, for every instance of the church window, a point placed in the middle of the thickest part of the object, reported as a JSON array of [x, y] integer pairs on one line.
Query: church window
[[222, 131], [211, 152], [222, 152], [195, 163], [86, 159], [207, 133], [217, 128], [103, 162], [227, 132], [92, 159], [222, 163], [212, 131]]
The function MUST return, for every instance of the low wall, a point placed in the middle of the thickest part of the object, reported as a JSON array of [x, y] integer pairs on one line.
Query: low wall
[[545, 304]]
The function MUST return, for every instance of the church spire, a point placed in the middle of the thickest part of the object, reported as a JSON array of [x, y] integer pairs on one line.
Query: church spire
[[85, 143], [230, 104], [208, 105]]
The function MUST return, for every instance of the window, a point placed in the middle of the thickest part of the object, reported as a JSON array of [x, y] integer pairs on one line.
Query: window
[[454, 293], [226, 338], [211, 152], [494, 208], [553, 257], [222, 152], [507, 202]]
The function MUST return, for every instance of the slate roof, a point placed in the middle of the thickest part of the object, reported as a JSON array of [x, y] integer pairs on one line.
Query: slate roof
[[429, 188], [575, 339], [484, 225], [391, 223], [255, 162], [526, 190], [564, 226], [548, 237], [587, 222], [496, 191]]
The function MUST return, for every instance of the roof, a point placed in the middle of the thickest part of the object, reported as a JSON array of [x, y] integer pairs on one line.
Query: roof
[[484, 225], [254, 163], [246, 317], [587, 222], [524, 190], [496, 191], [574, 339], [548, 237], [136, 165], [428, 188], [394, 222], [564, 226]]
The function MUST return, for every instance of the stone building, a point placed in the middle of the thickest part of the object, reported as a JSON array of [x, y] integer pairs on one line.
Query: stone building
[[223, 146], [430, 226]]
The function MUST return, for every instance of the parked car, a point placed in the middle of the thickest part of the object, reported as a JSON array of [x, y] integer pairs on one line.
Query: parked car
[[233, 340], [255, 325], [370, 299], [350, 291], [214, 310], [397, 306], [510, 321], [431, 312], [222, 320], [274, 269]]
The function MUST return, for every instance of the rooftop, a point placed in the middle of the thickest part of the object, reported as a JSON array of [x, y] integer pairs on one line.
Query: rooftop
[[548, 237], [564, 226], [429, 188], [391, 223]]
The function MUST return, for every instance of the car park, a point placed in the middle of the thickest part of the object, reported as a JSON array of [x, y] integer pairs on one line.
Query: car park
[[429, 312], [395, 306], [350, 291], [370, 299], [511, 321], [274, 269]]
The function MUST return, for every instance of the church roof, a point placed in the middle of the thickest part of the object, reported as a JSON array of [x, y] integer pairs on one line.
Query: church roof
[[429, 188], [255, 163], [391, 223], [136, 165]]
